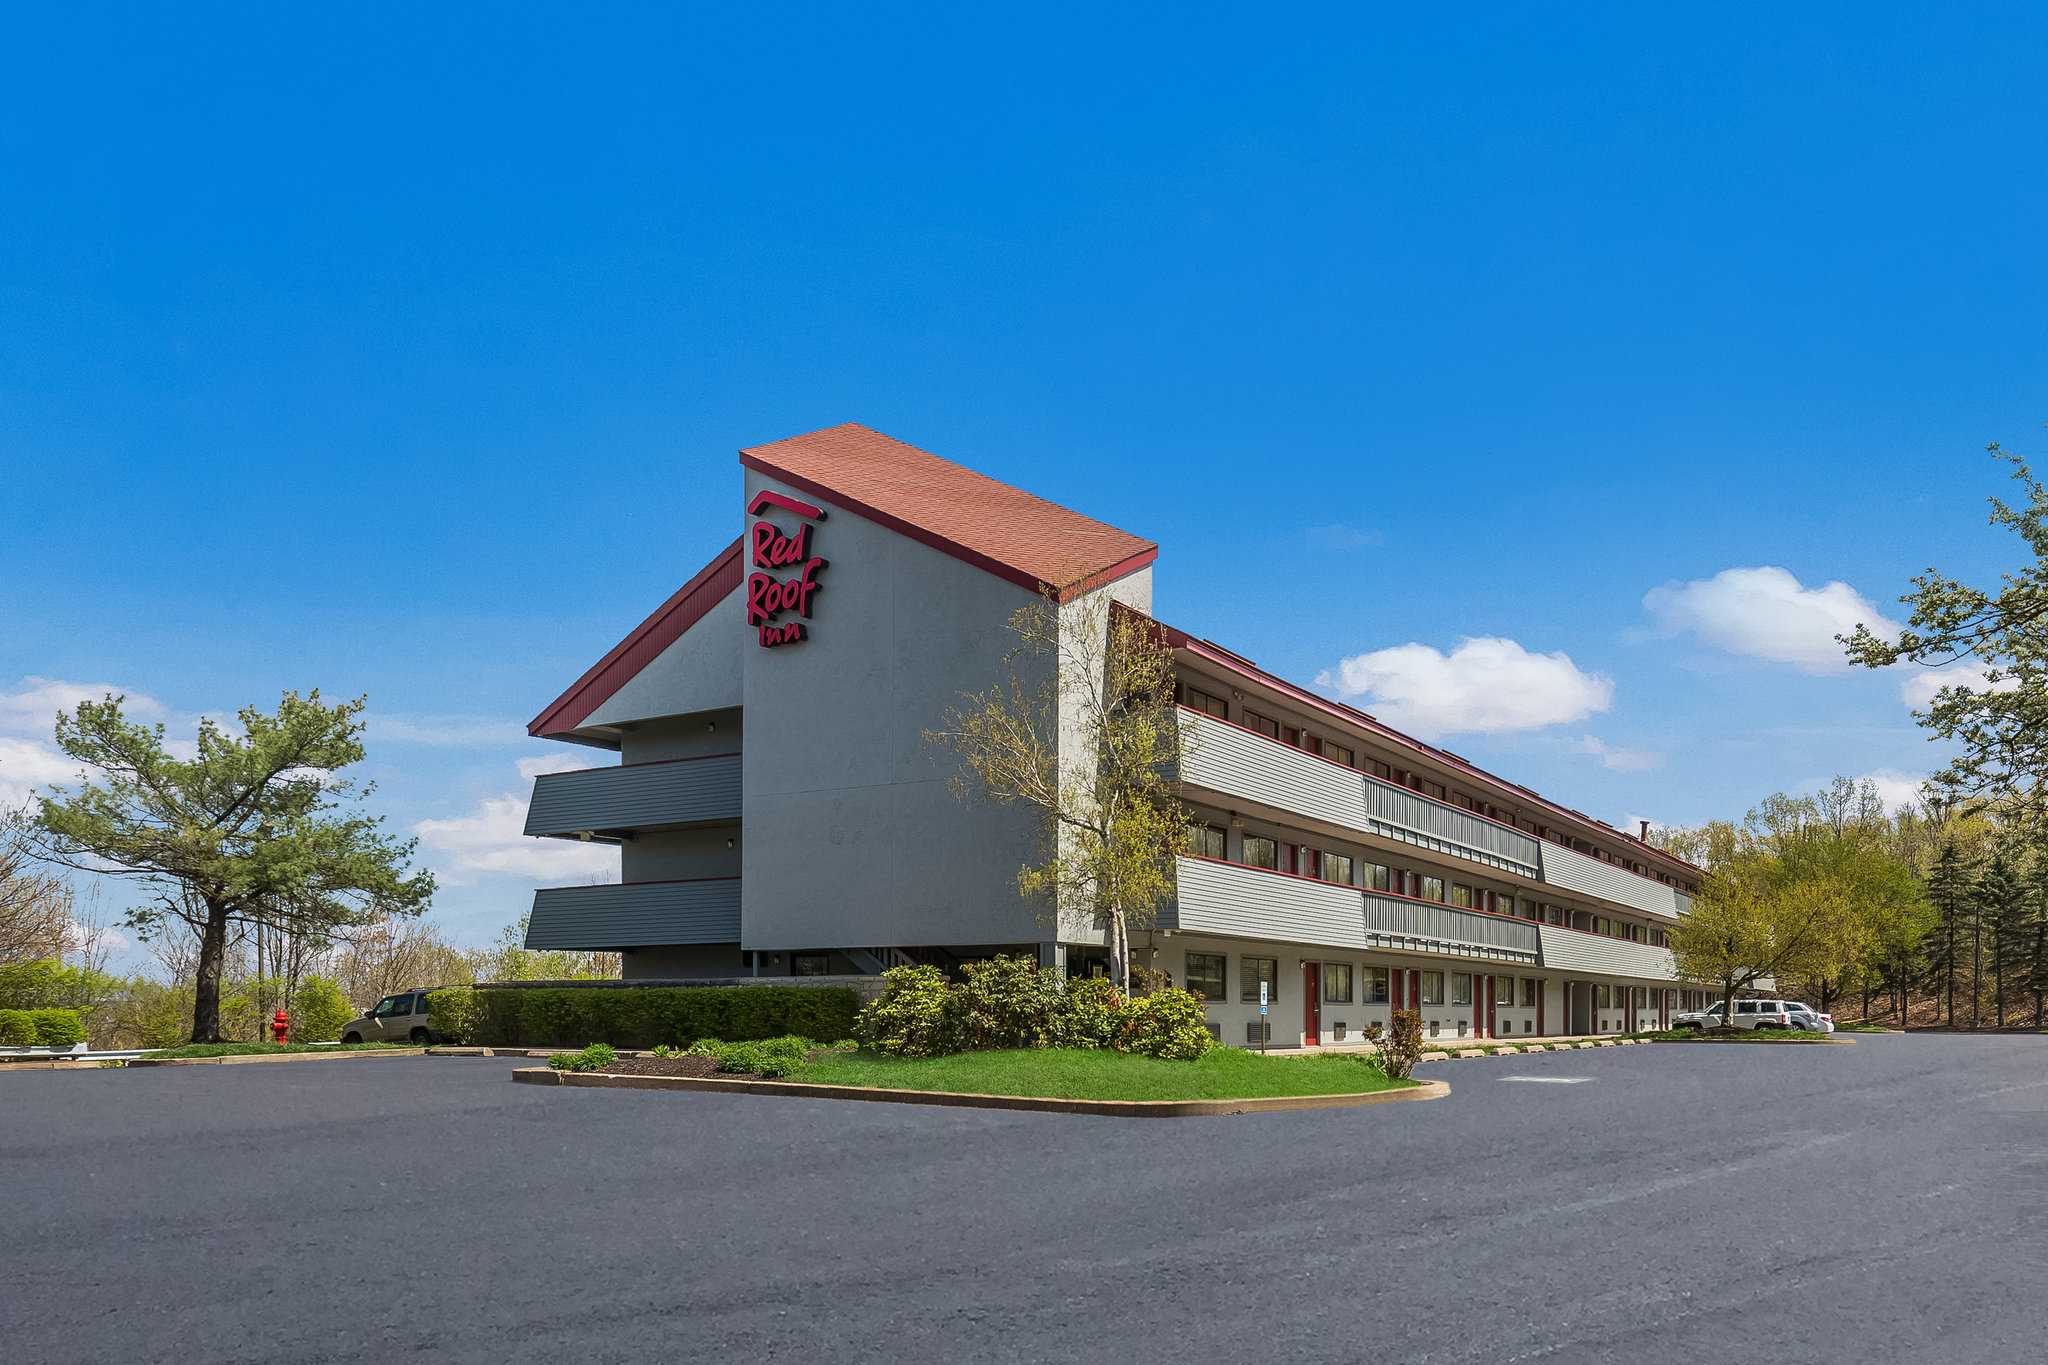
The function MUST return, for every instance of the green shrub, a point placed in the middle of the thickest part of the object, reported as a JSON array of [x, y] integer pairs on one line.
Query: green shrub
[[638, 1016], [1091, 1013], [1171, 1024], [455, 1015], [17, 1029], [772, 1057], [319, 1009], [1005, 1002], [57, 1028], [1401, 1048], [596, 1057], [911, 1018]]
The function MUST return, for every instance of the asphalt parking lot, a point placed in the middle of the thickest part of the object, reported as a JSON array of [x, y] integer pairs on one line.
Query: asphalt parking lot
[[1886, 1201]]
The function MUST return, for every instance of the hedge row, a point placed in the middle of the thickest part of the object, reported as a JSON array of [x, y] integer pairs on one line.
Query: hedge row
[[41, 1028], [639, 1016]]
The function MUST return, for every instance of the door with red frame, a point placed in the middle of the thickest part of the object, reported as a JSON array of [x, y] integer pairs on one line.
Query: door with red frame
[[1492, 1002], [1312, 1002]]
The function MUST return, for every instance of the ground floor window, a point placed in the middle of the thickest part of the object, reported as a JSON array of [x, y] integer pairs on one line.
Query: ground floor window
[[1530, 985], [1375, 986], [1087, 962], [1205, 975], [1337, 983], [1461, 988], [1253, 970], [810, 964], [1432, 988]]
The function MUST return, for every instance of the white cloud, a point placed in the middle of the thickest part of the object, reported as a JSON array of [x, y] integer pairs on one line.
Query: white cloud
[[1918, 687], [1484, 686], [488, 841], [1766, 613], [1894, 788], [29, 757], [1618, 759]]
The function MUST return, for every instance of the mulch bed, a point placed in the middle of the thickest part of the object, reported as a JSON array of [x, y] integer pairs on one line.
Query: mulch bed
[[674, 1066]]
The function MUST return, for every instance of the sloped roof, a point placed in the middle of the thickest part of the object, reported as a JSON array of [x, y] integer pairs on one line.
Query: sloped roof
[[1003, 530], [684, 609]]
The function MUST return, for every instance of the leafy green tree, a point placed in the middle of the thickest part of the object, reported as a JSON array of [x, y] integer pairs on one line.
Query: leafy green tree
[[257, 828], [1994, 710], [2034, 972], [509, 959], [1085, 733], [1752, 920], [318, 1010]]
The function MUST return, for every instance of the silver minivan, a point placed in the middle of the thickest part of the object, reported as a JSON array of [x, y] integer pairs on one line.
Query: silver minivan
[[400, 1018]]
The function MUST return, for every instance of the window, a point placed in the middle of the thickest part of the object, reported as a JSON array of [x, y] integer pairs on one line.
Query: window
[[810, 964], [1337, 868], [1529, 988], [1432, 988], [1253, 970], [1432, 888], [386, 1007], [1375, 984], [1337, 983], [1198, 700], [1379, 876], [1259, 851], [1265, 725], [1205, 841], [1461, 988], [1461, 895], [1205, 975], [1503, 903], [1337, 753]]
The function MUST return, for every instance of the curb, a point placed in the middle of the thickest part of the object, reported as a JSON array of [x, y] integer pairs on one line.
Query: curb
[[275, 1057], [1125, 1109], [1829, 1041]]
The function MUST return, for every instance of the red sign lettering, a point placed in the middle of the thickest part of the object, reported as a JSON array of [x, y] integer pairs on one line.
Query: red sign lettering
[[768, 596]]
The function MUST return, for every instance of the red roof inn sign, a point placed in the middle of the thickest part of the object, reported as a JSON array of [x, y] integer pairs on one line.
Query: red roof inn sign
[[768, 597]]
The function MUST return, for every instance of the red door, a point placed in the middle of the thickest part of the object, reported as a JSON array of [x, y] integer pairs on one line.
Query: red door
[[1492, 1000], [1312, 1002]]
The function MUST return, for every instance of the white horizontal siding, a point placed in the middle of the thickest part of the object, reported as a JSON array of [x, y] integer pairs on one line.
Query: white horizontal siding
[[1244, 902], [1574, 871], [1228, 759], [1573, 951]]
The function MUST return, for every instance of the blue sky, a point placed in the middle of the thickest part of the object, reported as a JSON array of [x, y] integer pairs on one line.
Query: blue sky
[[406, 353]]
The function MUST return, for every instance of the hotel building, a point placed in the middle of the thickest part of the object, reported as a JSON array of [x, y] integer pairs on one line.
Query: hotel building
[[778, 811]]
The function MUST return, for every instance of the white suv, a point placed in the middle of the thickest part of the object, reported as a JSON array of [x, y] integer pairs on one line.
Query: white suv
[[1760, 1014]]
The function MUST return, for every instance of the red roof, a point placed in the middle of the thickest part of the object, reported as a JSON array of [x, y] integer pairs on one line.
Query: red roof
[[639, 649], [1003, 530]]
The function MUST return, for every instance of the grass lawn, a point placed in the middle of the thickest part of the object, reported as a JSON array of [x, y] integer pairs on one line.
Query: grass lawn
[[1226, 1073], [264, 1049]]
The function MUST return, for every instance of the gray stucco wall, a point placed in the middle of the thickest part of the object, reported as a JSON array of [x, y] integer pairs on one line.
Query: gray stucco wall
[[852, 836], [679, 854], [699, 672], [683, 736]]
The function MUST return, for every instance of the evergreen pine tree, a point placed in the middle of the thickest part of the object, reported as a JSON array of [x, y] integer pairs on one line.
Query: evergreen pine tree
[[2034, 932], [2002, 902], [1951, 889]]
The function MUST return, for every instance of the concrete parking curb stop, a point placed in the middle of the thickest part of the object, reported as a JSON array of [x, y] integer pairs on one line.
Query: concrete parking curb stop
[[1129, 1109]]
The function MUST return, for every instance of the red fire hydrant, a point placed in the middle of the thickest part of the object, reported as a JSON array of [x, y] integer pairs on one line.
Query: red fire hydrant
[[280, 1024]]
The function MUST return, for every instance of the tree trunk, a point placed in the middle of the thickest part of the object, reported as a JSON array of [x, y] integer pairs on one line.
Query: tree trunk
[[1119, 951], [213, 951]]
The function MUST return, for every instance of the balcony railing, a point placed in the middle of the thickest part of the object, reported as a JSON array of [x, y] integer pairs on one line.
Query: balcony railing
[[636, 914], [1237, 762], [1573, 950], [636, 796], [1249, 902]]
